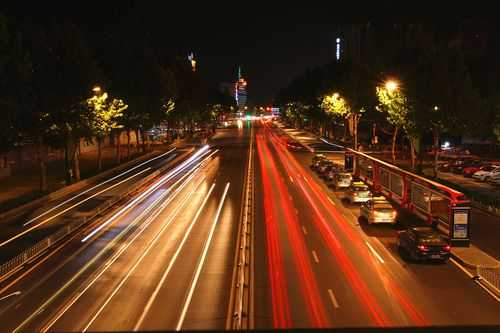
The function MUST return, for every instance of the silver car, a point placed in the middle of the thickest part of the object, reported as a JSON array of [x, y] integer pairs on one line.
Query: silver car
[[341, 179], [358, 192]]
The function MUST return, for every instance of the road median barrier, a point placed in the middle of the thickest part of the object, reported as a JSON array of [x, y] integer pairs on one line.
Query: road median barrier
[[33, 252]]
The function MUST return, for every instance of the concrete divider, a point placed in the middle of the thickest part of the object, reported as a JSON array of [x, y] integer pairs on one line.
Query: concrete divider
[[40, 247], [72, 188]]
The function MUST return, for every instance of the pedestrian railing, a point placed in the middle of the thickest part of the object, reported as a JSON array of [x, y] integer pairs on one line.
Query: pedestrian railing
[[490, 276]]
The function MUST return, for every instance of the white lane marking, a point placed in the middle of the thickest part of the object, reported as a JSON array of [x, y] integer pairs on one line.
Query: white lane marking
[[331, 201], [148, 221], [478, 281], [160, 182], [172, 261], [315, 256], [143, 255], [304, 230], [201, 262], [333, 299], [65, 210], [15, 293], [94, 187], [291, 179], [375, 252]]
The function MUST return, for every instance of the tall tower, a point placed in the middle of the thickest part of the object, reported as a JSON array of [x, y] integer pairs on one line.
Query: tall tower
[[240, 90]]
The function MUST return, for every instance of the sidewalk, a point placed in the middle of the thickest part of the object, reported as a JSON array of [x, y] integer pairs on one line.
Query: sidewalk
[[23, 185], [471, 257]]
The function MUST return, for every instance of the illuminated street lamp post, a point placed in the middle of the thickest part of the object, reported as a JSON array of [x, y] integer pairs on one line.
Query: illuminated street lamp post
[[391, 86]]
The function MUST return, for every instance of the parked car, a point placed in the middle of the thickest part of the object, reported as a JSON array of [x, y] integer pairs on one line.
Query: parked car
[[341, 179], [458, 169], [458, 164], [487, 173], [323, 165], [495, 180], [358, 192], [421, 243], [378, 210], [330, 171], [470, 170], [316, 160]]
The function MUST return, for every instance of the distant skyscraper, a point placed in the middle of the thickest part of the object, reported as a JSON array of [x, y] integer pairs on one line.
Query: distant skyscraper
[[240, 90]]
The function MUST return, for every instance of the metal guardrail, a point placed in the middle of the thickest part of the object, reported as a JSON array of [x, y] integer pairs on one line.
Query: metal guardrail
[[241, 318], [490, 276], [36, 250]]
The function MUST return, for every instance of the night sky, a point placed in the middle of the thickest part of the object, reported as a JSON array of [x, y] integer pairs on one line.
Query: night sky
[[272, 42]]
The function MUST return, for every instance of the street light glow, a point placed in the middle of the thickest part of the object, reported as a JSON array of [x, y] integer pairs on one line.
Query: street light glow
[[96, 89], [436, 108], [391, 85]]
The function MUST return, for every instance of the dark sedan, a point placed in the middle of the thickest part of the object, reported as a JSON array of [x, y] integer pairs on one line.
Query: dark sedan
[[423, 243]]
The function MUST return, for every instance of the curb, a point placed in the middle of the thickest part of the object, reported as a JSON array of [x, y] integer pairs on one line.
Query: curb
[[463, 262]]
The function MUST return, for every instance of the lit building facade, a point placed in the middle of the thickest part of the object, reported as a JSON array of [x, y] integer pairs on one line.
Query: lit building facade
[[240, 90]]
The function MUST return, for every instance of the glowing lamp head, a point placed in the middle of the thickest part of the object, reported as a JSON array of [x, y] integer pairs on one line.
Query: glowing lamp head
[[391, 86]]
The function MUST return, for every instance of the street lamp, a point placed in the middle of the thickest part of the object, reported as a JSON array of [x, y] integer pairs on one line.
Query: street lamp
[[391, 86], [436, 108]]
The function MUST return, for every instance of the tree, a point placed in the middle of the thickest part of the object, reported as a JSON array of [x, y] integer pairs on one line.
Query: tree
[[394, 103], [104, 117]]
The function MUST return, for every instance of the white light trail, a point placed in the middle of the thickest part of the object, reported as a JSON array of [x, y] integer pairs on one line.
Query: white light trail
[[143, 255], [172, 261], [164, 179], [96, 186], [65, 210], [184, 179], [201, 262]]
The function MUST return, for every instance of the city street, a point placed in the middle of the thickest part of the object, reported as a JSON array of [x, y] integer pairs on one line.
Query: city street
[[342, 271], [165, 261]]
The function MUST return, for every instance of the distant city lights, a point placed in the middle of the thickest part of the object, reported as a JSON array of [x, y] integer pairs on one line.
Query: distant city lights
[[337, 49]]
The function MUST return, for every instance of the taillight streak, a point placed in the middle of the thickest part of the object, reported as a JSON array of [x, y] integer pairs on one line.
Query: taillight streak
[[411, 311], [308, 284], [276, 270]]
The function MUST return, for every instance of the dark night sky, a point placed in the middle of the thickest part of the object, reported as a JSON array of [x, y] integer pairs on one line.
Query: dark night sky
[[272, 42]]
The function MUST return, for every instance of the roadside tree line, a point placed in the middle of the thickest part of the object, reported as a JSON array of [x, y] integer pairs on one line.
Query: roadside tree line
[[60, 84], [413, 81]]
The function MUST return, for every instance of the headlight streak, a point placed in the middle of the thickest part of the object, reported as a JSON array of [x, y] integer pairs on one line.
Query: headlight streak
[[172, 261], [54, 216], [111, 244], [146, 251], [159, 183], [124, 247], [98, 185], [202, 261]]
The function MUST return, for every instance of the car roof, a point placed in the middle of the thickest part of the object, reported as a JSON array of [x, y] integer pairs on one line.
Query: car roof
[[423, 230]]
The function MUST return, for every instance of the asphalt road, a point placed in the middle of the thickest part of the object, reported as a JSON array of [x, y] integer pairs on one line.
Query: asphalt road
[[164, 260], [324, 268], [164, 263]]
